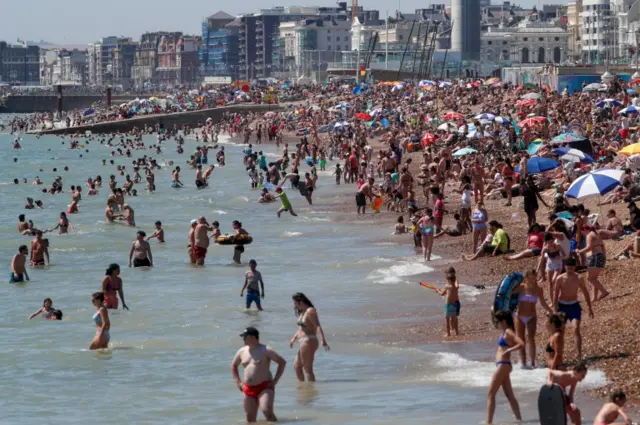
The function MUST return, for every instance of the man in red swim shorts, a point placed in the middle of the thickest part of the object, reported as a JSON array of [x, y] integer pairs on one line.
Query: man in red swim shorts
[[201, 240], [258, 385]]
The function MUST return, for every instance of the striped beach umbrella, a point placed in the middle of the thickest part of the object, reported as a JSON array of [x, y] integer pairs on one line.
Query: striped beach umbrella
[[596, 183]]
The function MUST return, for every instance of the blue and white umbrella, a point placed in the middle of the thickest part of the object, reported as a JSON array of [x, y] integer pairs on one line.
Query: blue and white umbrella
[[485, 116], [502, 120], [444, 84], [596, 183], [426, 83], [608, 103], [537, 165], [629, 110], [573, 155]]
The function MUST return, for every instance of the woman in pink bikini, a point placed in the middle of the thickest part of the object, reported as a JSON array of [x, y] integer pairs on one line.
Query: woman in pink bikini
[[529, 293], [112, 287]]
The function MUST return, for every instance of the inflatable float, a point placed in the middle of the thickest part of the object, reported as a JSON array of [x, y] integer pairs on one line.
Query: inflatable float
[[506, 299], [234, 239], [376, 204], [311, 162]]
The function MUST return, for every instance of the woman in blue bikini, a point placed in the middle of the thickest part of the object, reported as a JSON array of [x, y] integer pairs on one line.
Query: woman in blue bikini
[[426, 224], [102, 322], [507, 343], [479, 222]]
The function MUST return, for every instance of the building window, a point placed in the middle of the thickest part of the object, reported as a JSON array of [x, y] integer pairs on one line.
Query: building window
[[525, 39], [557, 38], [328, 38], [338, 38], [489, 42], [541, 39], [504, 42]]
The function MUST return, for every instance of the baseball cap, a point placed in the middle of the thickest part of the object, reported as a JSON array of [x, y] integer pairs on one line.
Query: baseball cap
[[250, 331]]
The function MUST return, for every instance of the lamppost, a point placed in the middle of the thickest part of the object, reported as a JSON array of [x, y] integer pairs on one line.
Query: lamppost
[[636, 74]]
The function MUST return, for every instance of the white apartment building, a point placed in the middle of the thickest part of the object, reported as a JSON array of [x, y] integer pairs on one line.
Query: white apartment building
[[100, 56], [598, 31]]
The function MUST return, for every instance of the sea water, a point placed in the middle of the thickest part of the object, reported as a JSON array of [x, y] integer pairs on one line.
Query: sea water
[[169, 358]]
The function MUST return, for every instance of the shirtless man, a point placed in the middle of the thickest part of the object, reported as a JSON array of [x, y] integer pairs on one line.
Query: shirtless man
[[176, 178], [39, 251], [18, 266], [569, 380], [159, 233], [258, 384], [142, 251], [201, 240], [565, 299], [129, 215], [22, 224], [109, 214], [365, 191], [200, 180], [190, 238], [611, 410]]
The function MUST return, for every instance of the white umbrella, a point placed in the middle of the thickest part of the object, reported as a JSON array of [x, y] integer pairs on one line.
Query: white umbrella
[[534, 96], [447, 126], [594, 87]]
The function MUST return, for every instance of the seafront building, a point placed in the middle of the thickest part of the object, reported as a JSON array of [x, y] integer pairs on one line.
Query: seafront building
[[19, 64], [122, 61], [220, 46], [100, 57]]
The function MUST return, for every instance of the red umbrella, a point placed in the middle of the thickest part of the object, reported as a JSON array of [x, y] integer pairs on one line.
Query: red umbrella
[[532, 121], [525, 103], [364, 116], [635, 81], [453, 116], [427, 139]]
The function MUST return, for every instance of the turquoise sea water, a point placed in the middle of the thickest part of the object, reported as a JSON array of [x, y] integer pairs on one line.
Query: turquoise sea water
[[170, 355]]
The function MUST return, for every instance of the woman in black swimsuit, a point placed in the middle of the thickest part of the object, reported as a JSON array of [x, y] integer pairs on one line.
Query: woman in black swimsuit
[[555, 347]]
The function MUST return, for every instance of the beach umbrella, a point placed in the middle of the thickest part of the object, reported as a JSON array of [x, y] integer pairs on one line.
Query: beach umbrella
[[89, 112], [594, 87], [534, 147], [635, 81], [485, 116], [447, 126], [491, 81], [633, 149], [426, 83], [532, 121], [470, 128], [525, 103], [464, 152], [428, 138], [631, 91], [629, 110], [270, 114], [444, 84], [537, 165], [568, 138], [502, 120], [364, 116], [534, 96], [341, 125], [397, 87], [573, 155], [453, 116], [608, 103], [597, 182]]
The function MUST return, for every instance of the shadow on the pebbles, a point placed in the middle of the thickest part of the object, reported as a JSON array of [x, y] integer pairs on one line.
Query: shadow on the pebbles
[[620, 296], [592, 359]]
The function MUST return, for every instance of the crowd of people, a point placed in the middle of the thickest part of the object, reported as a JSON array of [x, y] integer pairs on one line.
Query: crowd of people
[[425, 151]]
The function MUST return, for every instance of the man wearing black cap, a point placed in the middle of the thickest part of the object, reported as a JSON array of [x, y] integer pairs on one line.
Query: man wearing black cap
[[258, 384]]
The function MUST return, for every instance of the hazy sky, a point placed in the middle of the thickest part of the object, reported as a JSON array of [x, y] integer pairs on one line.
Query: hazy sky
[[78, 22]]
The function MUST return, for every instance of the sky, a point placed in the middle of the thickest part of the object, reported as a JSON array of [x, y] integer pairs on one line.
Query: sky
[[79, 21]]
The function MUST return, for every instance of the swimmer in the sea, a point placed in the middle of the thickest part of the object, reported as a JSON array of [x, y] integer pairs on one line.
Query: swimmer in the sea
[[129, 215], [142, 251], [103, 324], [63, 224], [18, 266], [39, 251], [158, 234], [286, 204], [46, 310]]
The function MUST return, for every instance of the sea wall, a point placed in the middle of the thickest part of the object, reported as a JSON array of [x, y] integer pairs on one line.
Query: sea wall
[[181, 118], [47, 103]]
